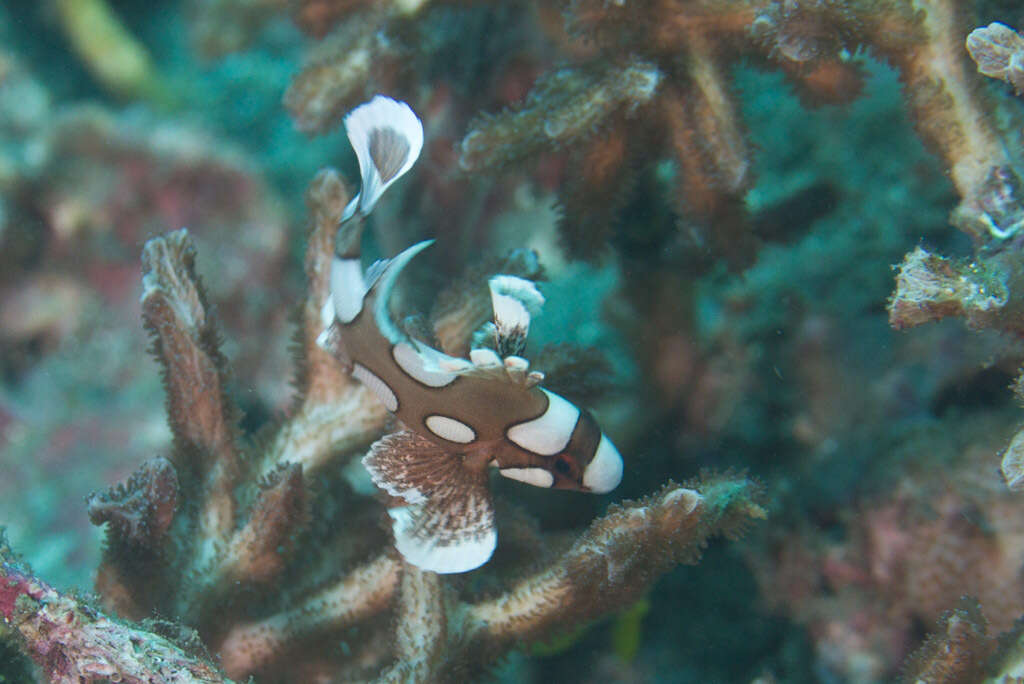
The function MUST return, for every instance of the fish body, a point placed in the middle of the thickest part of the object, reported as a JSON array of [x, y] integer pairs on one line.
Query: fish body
[[496, 408], [459, 416]]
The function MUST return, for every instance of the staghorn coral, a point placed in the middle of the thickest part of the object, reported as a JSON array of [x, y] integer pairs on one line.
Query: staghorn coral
[[986, 289], [82, 186], [262, 547], [948, 528], [690, 115], [999, 52], [956, 651], [930, 287], [650, 81]]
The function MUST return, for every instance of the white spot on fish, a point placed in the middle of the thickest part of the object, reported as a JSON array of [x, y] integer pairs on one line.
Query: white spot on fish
[[538, 477], [450, 429], [415, 366], [484, 358], [376, 385], [347, 288]]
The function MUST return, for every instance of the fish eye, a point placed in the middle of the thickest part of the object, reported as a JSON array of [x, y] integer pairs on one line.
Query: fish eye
[[562, 465]]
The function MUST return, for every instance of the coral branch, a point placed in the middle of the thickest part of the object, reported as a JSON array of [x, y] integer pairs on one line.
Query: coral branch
[[142, 509], [613, 563], [203, 419], [73, 643], [564, 108], [998, 51], [339, 72], [422, 632], [360, 594], [1012, 463], [985, 291], [185, 340], [952, 115], [337, 415], [257, 551], [956, 652]]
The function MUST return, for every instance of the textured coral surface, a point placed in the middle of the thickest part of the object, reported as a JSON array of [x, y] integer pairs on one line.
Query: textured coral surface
[[756, 223]]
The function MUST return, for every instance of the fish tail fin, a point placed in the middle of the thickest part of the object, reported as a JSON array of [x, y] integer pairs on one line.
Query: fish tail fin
[[446, 522]]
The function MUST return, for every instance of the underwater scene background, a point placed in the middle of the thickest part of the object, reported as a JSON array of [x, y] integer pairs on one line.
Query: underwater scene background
[[782, 248]]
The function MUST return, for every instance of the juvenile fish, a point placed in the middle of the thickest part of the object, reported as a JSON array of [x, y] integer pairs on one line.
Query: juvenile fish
[[459, 416]]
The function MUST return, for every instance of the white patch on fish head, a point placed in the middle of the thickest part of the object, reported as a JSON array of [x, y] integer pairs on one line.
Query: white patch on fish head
[[549, 433], [604, 472]]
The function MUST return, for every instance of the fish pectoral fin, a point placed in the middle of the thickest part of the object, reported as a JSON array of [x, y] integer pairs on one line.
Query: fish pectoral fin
[[409, 466], [447, 522]]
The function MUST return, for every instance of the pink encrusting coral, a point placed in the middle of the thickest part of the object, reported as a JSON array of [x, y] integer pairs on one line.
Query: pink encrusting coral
[[72, 641], [938, 533]]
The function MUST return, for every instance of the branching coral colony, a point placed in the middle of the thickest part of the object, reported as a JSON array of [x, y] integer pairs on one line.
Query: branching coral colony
[[986, 291], [288, 572], [643, 111], [657, 87], [650, 81]]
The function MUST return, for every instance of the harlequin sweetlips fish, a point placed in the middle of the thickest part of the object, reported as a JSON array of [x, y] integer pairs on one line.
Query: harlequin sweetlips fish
[[459, 417]]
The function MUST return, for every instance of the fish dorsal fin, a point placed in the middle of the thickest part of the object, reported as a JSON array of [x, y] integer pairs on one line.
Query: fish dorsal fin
[[486, 364], [374, 271], [514, 300], [509, 294], [380, 279], [446, 524], [497, 346]]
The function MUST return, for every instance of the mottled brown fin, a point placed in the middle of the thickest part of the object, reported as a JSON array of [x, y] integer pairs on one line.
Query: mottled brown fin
[[447, 524]]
